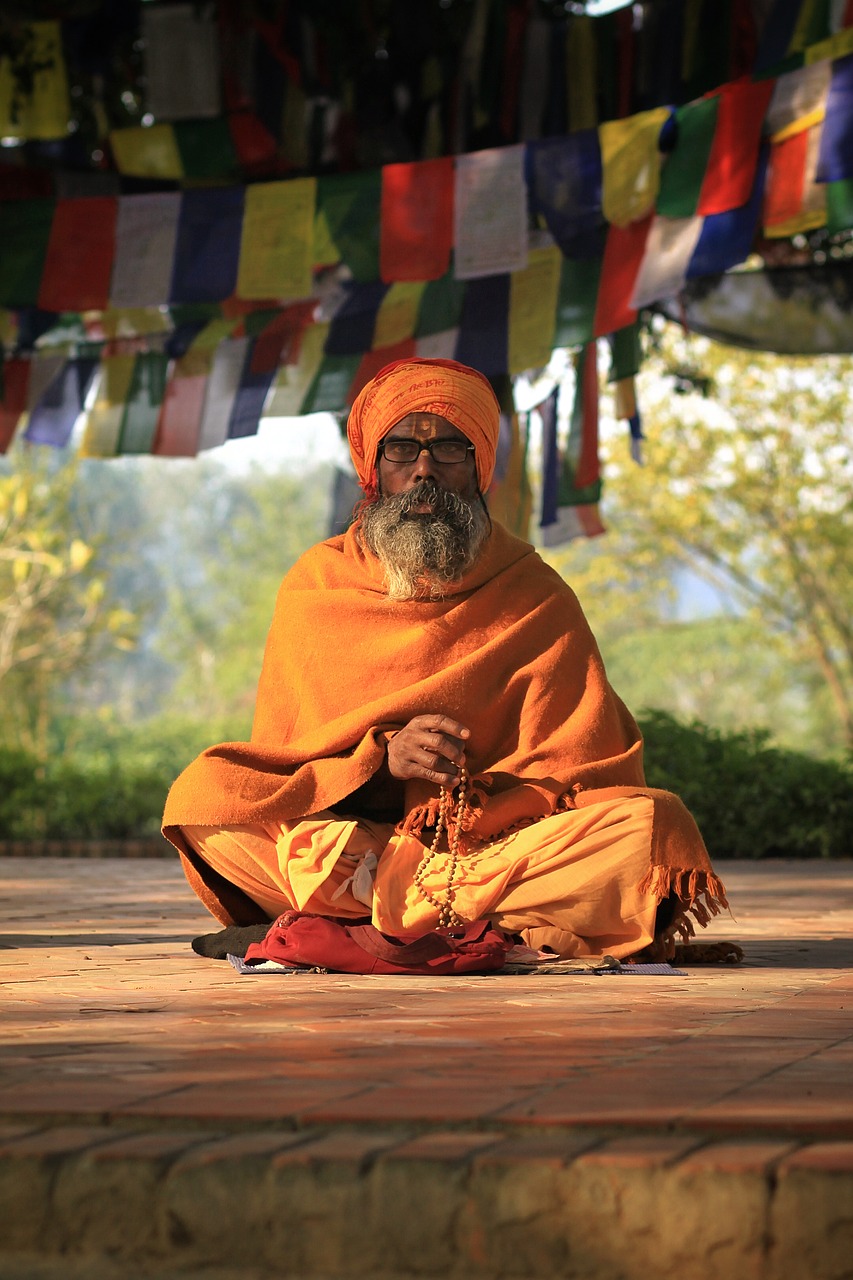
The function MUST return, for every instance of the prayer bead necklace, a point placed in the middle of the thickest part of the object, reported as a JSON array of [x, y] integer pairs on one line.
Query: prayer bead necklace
[[447, 917]]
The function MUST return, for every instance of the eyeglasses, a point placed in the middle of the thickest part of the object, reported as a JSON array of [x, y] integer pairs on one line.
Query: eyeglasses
[[446, 452]]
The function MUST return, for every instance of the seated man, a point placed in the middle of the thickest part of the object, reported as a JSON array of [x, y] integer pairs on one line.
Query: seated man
[[435, 739]]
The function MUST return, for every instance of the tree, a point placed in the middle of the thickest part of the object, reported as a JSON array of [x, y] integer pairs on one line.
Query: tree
[[749, 487], [56, 615]]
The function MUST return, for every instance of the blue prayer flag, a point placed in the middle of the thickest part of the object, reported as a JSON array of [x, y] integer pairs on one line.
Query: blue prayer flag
[[483, 341], [564, 180], [835, 159], [207, 245], [726, 238]]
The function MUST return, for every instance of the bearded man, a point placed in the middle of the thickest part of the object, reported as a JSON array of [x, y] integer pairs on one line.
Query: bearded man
[[435, 740]]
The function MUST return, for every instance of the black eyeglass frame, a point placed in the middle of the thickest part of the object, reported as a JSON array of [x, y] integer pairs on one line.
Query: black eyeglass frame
[[423, 445]]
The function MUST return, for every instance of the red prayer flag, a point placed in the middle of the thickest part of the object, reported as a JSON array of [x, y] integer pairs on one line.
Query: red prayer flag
[[416, 220], [179, 423], [588, 468], [623, 254], [786, 179], [16, 380], [281, 341], [79, 259], [730, 175]]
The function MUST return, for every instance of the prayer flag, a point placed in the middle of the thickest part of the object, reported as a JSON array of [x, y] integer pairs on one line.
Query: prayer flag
[[438, 346], [52, 419], [34, 103], [564, 186], [104, 419], [179, 423], [354, 323], [146, 231], [623, 254], [13, 397], [79, 257], [330, 390], [510, 497], [777, 34], [685, 166], [142, 407], [147, 152], [490, 213], [533, 294], [280, 340], [416, 219], [631, 164], [797, 95], [348, 207], [182, 72], [207, 246], [24, 234], [225, 373], [793, 201], [397, 317], [839, 206], [205, 149], [581, 73], [837, 46], [483, 336], [550, 460], [835, 162], [579, 282], [440, 306], [669, 249], [578, 487], [277, 239], [734, 152]]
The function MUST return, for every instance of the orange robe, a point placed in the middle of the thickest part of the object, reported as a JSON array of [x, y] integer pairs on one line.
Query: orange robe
[[510, 655]]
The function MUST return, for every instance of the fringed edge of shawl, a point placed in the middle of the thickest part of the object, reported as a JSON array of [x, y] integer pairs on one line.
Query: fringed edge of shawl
[[702, 892]]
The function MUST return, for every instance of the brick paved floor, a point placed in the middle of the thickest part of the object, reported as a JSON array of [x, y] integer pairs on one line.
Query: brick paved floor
[[124, 1050]]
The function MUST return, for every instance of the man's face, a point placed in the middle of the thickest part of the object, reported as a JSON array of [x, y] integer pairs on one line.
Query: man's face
[[400, 477]]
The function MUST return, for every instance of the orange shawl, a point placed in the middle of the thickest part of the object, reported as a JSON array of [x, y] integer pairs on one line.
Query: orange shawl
[[509, 654]]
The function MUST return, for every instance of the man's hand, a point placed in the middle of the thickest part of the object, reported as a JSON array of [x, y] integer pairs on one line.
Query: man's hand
[[431, 747]]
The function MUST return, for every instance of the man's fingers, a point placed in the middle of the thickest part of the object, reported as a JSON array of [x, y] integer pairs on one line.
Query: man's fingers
[[441, 724]]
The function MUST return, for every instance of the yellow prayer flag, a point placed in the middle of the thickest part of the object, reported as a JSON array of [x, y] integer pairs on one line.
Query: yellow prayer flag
[[398, 313], [802, 25], [276, 247], [147, 153], [630, 162], [214, 332], [44, 111], [533, 294], [103, 421], [292, 381], [130, 322]]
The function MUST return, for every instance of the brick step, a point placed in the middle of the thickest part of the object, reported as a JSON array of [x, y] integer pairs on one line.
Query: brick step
[[380, 1203]]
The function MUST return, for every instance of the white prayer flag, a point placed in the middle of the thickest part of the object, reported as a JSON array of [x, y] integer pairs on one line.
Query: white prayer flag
[[490, 215], [181, 61], [222, 385], [670, 246], [146, 228]]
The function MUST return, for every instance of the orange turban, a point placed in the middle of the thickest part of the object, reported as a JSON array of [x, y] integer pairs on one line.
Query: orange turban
[[461, 395]]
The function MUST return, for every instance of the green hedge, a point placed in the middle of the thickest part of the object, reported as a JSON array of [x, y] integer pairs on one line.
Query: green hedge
[[751, 800]]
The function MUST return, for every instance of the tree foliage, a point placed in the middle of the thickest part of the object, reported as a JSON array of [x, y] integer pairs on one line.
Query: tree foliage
[[749, 487]]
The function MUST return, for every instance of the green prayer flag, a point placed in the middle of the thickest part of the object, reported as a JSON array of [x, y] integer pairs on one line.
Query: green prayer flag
[[330, 386], [683, 170], [206, 148], [440, 306], [144, 397], [839, 206], [625, 353], [349, 202], [24, 233], [579, 279]]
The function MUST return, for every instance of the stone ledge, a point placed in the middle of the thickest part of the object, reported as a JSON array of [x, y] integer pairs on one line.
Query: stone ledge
[[138, 847], [391, 1202]]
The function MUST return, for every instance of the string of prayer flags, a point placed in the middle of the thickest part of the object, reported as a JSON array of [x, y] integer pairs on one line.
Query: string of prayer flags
[[79, 258], [24, 234], [35, 104], [731, 165], [835, 161], [348, 212], [13, 397], [416, 220], [564, 185], [490, 213], [207, 245], [146, 234], [276, 245], [631, 163]]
